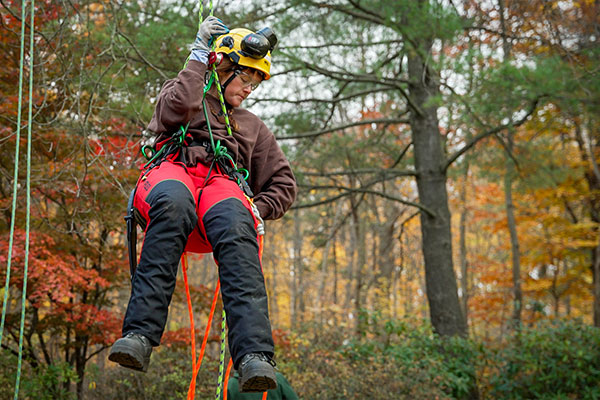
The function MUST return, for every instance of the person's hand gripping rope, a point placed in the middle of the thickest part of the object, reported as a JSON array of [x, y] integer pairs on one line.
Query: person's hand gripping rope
[[210, 28]]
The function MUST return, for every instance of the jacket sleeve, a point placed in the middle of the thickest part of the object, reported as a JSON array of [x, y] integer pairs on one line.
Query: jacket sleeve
[[179, 99], [273, 182]]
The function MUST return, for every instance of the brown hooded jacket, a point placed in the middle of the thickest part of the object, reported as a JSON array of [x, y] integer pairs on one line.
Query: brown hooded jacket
[[252, 145]]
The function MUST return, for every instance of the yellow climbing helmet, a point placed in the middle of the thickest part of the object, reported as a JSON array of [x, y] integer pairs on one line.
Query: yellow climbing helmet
[[249, 49]]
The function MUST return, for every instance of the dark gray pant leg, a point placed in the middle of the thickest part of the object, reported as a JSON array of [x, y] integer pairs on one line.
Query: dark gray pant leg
[[230, 230], [172, 219]]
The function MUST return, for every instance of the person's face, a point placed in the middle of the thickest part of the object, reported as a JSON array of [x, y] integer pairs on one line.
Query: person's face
[[240, 87]]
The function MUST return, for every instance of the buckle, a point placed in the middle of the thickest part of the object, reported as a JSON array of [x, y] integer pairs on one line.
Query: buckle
[[202, 143]]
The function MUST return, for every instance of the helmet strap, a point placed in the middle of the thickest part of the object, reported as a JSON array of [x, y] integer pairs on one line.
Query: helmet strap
[[236, 71]]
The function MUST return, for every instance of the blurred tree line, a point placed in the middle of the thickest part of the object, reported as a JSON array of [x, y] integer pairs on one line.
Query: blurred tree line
[[447, 156]]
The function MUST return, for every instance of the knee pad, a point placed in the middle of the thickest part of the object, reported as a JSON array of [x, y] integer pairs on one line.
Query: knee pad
[[228, 220], [172, 200]]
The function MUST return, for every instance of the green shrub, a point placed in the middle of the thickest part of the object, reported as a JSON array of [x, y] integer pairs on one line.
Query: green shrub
[[422, 358], [168, 377], [390, 360], [398, 359], [46, 382], [554, 360]]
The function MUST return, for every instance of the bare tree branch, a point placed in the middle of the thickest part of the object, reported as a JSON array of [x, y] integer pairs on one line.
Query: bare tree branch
[[148, 63], [352, 77], [340, 44], [327, 101], [348, 191], [306, 135], [492, 131], [384, 173]]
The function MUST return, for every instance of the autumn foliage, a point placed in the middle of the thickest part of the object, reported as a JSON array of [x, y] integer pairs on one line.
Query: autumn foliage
[[513, 100]]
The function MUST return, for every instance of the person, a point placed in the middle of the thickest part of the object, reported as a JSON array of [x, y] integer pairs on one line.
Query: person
[[191, 198], [283, 391]]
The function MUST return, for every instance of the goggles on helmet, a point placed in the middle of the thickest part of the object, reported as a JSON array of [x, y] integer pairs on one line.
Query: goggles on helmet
[[257, 45], [249, 49]]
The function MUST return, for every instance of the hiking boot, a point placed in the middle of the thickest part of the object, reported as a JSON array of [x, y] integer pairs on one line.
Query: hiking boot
[[132, 351], [257, 373]]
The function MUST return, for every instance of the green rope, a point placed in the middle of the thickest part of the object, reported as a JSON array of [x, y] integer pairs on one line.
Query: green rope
[[221, 151], [200, 12], [221, 357], [28, 206], [208, 85], [218, 150], [222, 100], [15, 177]]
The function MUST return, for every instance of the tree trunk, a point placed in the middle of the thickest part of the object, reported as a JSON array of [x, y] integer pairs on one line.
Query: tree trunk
[[80, 361], [444, 307], [510, 209], [335, 273], [296, 271], [514, 239], [384, 274], [351, 251], [596, 275], [321, 294], [464, 270], [589, 149], [361, 257], [273, 305], [322, 279]]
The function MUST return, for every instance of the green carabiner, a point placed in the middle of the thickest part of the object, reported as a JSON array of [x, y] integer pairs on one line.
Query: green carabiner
[[147, 156], [246, 173]]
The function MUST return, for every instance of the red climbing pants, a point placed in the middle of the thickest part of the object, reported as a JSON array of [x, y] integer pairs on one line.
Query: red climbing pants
[[185, 211]]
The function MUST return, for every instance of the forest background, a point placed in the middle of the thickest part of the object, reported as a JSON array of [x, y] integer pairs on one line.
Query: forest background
[[445, 242]]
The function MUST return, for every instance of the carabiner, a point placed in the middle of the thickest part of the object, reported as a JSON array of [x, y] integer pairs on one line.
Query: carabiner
[[147, 156]]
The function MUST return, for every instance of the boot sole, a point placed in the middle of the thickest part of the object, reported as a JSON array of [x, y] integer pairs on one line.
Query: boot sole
[[260, 381], [127, 358]]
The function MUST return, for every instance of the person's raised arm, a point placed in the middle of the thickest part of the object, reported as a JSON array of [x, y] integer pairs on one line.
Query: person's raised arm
[[181, 98]]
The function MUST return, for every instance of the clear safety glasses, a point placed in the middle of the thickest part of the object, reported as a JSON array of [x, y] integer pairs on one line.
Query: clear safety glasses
[[248, 80]]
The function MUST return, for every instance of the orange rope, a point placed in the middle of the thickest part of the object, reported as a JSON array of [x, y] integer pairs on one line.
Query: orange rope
[[190, 310], [192, 388], [196, 365], [226, 381]]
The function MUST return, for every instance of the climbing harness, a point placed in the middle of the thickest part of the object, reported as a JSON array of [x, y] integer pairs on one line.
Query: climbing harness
[[15, 186]]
